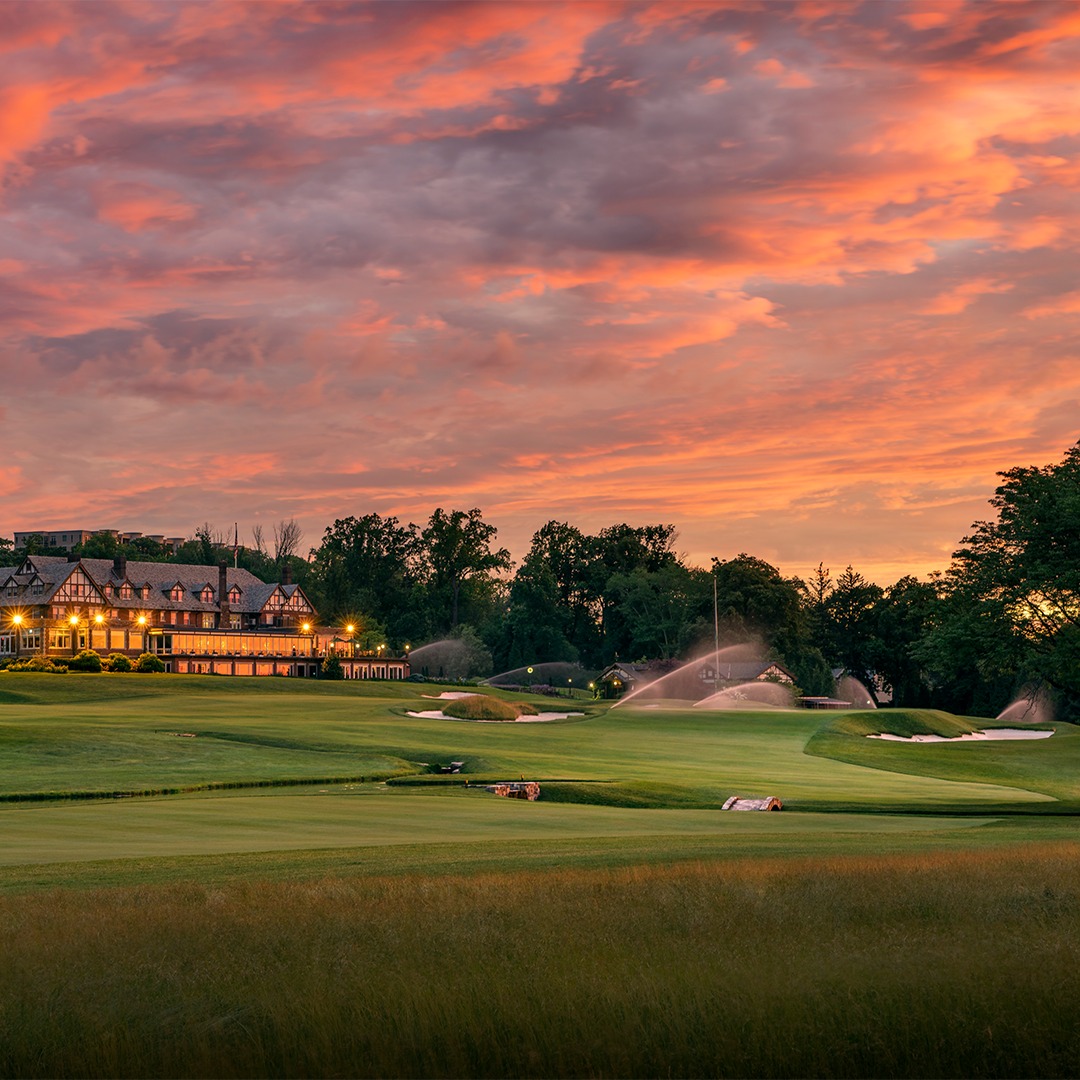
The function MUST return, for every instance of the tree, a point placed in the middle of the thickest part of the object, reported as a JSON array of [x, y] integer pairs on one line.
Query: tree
[[657, 608], [203, 548], [536, 620], [560, 554], [287, 537], [1011, 606], [902, 618], [369, 566], [457, 553], [102, 545], [851, 629], [755, 601]]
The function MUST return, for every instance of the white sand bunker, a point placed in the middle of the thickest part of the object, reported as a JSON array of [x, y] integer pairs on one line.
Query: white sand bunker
[[992, 735], [538, 718], [450, 695]]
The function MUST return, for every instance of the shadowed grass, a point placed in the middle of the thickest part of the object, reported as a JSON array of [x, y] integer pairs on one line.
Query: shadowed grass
[[946, 964]]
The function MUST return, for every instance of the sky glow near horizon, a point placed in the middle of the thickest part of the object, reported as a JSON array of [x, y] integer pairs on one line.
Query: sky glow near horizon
[[799, 278]]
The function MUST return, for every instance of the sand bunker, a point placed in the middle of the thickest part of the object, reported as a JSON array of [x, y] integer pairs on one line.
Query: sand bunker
[[992, 735], [539, 718]]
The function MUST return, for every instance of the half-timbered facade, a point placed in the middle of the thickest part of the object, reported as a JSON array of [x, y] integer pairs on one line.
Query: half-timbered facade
[[198, 619]]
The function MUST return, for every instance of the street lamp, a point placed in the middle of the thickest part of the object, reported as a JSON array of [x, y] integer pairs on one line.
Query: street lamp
[[16, 622], [73, 622]]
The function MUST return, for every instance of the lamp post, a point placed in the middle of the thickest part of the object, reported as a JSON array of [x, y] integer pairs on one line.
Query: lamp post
[[99, 624], [16, 624], [73, 622]]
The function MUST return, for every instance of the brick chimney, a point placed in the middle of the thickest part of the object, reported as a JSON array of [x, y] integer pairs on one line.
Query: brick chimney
[[223, 596], [120, 566], [286, 573]]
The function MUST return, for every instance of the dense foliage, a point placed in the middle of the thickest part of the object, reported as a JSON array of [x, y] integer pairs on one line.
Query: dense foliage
[[1003, 620]]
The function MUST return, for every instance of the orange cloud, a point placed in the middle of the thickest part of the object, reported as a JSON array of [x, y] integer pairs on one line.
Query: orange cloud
[[135, 206]]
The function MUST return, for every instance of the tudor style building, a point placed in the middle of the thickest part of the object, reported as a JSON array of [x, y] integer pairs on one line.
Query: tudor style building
[[197, 619]]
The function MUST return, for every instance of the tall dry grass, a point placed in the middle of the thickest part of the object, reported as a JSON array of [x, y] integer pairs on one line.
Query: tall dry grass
[[902, 966]]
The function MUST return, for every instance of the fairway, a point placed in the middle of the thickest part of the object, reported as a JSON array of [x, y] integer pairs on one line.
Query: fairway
[[250, 766]]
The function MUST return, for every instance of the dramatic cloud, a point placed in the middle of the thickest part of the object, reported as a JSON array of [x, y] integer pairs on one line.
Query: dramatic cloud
[[798, 277]]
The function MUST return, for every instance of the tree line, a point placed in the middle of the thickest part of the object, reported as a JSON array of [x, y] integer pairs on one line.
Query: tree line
[[1003, 619]]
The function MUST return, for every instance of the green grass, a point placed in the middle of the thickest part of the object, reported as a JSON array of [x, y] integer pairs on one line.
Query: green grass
[[1051, 766], [914, 911]]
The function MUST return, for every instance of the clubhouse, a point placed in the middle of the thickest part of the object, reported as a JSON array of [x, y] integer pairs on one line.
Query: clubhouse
[[197, 619]]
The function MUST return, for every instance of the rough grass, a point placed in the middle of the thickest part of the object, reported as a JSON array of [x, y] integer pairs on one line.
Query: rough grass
[[486, 707], [932, 965]]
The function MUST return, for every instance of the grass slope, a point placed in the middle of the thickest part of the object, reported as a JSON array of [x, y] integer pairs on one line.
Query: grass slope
[[1051, 766]]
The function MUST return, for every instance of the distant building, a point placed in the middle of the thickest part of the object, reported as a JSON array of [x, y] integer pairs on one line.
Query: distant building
[[69, 538], [197, 619]]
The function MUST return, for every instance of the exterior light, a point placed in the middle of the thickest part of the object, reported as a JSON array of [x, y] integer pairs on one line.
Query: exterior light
[[74, 620], [350, 629], [99, 619], [16, 620], [306, 628], [141, 620]]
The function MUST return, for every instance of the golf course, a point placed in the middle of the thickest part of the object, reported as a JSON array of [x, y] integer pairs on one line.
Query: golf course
[[243, 877]]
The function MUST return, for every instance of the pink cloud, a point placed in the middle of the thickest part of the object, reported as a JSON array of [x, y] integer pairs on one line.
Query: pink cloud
[[798, 277]]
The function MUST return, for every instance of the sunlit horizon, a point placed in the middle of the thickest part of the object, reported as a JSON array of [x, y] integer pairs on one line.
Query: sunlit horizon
[[798, 278]]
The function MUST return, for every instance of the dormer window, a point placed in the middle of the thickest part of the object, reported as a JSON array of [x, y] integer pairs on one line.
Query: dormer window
[[12, 589], [126, 591], [176, 593], [234, 595], [207, 595]]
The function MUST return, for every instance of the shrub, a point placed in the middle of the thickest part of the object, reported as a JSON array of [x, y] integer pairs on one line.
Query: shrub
[[117, 661], [331, 668], [482, 707], [149, 662], [40, 664], [85, 660]]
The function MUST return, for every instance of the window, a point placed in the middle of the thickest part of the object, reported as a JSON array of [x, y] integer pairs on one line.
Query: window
[[234, 595], [207, 595], [176, 593], [126, 591], [37, 587], [12, 589]]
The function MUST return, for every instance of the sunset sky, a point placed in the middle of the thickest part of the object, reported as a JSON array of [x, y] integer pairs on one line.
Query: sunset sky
[[798, 277]]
